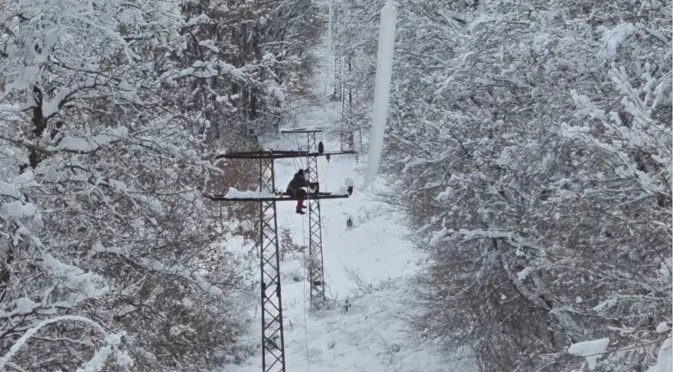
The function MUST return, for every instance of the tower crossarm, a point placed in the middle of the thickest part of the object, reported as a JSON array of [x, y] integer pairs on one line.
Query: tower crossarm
[[273, 154], [282, 197]]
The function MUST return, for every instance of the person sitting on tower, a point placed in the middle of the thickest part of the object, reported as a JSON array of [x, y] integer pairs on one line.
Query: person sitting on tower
[[296, 186]]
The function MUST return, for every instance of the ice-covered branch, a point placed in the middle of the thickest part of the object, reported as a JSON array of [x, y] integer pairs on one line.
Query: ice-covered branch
[[90, 144], [643, 145], [158, 266], [508, 236], [111, 340]]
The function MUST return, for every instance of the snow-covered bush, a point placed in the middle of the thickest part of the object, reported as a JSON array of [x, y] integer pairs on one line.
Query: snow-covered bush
[[530, 145]]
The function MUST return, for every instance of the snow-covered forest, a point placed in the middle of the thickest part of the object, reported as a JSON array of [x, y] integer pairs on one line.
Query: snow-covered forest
[[527, 162], [530, 145], [110, 113]]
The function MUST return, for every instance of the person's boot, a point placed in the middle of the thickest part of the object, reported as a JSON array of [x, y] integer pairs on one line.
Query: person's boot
[[300, 206]]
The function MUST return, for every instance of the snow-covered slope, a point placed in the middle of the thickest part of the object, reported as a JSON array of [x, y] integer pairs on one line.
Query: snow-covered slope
[[367, 324]]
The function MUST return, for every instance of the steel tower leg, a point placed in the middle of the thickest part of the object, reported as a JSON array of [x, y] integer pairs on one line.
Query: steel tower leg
[[273, 341], [315, 264]]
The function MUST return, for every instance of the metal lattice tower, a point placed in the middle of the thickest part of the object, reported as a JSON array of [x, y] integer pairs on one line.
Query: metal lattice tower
[[316, 269], [273, 340]]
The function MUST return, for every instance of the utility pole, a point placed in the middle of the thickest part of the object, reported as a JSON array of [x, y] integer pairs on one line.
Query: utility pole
[[273, 340], [316, 268]]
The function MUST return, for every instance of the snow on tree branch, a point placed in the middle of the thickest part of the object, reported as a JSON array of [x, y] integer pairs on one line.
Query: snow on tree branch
[[95, 364], [158, 266], [91, 144]]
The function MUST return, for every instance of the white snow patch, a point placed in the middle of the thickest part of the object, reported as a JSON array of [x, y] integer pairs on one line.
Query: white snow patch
[[590, 350], [613, 39], [606, 305], [664, 359], [82, 285], [97, 362], [120, 186], [342, 191], [572, 132], [9, 112], [663, 327], [17, 209], [89, 144], [438, 236], [235, 194], [276, 91], [368, 333], [523, 274], [25, 305], [198, 20], [210, 45], [25, 180], [9, 190]]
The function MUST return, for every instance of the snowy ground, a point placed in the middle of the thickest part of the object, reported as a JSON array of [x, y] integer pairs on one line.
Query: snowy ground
[[367, 265]]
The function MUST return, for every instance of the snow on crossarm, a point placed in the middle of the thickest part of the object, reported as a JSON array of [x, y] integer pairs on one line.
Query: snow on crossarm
[[236, 194]]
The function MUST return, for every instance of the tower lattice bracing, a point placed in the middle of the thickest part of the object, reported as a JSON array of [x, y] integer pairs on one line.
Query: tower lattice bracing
[[273, 340], [316, 272]]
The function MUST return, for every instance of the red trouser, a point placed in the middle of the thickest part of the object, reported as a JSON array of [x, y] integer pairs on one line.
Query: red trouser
[[300, 195]]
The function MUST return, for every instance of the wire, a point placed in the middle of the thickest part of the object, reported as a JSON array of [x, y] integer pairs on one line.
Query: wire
[[301, 166], [324, 174], [308, 194], [308, 363], [296, 165]]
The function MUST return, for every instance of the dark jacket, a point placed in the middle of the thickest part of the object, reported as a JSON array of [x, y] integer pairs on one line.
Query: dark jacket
[[298, 181]]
